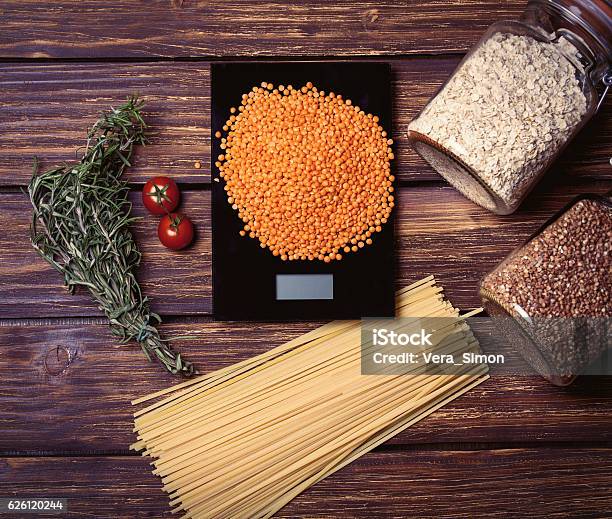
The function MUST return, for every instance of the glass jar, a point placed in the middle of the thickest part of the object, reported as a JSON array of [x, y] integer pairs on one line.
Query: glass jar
[[552, 297], [516, 99]]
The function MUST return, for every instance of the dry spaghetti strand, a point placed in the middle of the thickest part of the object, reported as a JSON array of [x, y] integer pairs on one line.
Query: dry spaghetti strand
[[243, 441]]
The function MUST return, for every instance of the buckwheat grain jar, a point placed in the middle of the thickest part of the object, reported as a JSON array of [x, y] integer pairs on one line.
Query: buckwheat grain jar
[[552, 298], [517, 98]]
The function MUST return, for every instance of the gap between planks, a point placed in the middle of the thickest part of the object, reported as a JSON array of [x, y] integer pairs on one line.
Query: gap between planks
[[384, 448]]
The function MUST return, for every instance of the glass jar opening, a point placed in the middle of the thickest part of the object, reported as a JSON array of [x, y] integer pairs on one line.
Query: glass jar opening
[[587, 24]]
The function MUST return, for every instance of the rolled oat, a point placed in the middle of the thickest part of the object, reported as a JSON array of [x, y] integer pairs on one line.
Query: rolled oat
[[505, 114]]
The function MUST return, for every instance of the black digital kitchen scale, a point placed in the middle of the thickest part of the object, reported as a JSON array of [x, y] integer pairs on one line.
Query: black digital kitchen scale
[[249, 283]]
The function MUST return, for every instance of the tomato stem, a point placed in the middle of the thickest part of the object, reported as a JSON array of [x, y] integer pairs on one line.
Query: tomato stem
[[160, 194]]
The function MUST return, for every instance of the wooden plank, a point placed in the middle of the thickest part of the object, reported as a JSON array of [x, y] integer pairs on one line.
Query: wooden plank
[[438, 232], [458, 484], [187, 28], [179, 281], [67, 387], [45, 110]]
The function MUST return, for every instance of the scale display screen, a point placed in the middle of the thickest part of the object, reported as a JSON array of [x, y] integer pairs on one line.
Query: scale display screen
[[249, 282], [292, 287]]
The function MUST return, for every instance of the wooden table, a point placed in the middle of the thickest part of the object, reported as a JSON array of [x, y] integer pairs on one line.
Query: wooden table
[[513, 446]]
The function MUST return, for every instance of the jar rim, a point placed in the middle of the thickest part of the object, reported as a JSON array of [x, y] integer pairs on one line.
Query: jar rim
[[589, 15]]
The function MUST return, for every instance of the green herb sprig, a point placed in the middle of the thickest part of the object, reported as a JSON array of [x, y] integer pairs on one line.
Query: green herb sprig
[[80, 225]]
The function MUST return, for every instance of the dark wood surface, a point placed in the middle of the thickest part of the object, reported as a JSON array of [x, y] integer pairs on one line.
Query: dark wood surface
[[543, 483], [515, 446], [46, 111], [73, 373], [438, 231], [223, 28]]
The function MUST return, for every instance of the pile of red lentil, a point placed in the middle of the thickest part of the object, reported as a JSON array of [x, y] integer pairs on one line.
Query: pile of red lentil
[[307, 171]]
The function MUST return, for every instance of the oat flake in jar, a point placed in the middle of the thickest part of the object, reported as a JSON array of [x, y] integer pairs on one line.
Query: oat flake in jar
[[517, 98]]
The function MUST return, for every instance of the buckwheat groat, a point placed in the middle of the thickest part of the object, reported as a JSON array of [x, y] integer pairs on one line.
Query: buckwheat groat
[[559, 287]]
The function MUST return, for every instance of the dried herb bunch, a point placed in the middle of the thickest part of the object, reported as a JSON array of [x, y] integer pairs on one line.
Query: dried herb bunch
[[80, 225]]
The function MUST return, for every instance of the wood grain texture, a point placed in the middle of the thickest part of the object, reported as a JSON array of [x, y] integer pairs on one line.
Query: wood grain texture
[[45, 110], [187, 28], [66, 383], [438, 232], [180, 282], [514, 483], [67, 387]]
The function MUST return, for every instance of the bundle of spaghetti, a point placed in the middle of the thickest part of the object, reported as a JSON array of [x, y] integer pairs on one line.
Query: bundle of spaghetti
[[243, 441]]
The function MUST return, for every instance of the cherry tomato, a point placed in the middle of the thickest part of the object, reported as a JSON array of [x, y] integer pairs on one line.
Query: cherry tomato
[[161, 195], [175, 231]]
